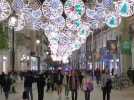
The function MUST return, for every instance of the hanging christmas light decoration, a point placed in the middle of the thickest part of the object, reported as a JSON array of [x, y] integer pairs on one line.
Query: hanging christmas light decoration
[[50, 28], [36, 24], [76, 45], [59, 22], [52, 8], [74, 9], [17, 5], [108, 4], [124, 8], [34, 4], [73, 24], [113, 20], [37, 14], [90, 13], [5, 10], [94, 24], [21, 23], [84, 31]]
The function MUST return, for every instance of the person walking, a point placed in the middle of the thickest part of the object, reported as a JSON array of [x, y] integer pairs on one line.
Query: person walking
[[80, 79], [106, 84], [59, 83], [74, 84], [40, 86], [87, 86], [28, 80], [6, 85], [66, 84]]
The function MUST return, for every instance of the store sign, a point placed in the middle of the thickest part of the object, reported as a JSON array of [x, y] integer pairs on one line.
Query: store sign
[[126, 47]]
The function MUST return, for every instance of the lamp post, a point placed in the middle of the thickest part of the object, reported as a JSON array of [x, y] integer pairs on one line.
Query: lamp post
[[12, 24]]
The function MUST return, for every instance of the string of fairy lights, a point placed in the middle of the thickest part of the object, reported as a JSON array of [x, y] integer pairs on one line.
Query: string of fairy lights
[[66, 25]]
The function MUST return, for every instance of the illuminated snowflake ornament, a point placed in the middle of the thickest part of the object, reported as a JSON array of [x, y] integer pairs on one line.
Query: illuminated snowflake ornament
[[74, 9], [5, 10]]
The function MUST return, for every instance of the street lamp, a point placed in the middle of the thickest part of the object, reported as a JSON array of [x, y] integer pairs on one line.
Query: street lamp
[[13, 21], [37, 42]]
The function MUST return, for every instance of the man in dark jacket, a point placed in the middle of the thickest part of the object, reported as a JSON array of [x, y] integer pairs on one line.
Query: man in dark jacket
[[6, 85], [40, 85], [29, 79]]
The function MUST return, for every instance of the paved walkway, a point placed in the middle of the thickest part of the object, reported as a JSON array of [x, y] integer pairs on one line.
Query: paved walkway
[[124, 94]]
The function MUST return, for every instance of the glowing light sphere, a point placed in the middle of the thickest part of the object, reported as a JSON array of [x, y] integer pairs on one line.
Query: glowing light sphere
[[28, 19], [84, 31], [52, 8], [73, 24], [44, 25], [54, 36], [59, 22], [17, 5], [76, 45], [90, 13], [74, 9], [36, 24], [94, 24], [51, 28], [5, 10], [36, 14], [108, 4], [113, 20], [21, 23], [34, 4], [124, 8]]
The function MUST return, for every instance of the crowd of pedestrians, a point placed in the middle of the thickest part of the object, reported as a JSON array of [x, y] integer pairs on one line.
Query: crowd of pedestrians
[[69, 82]]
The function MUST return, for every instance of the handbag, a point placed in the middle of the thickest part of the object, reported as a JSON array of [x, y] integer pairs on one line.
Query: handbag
[[25, 95]]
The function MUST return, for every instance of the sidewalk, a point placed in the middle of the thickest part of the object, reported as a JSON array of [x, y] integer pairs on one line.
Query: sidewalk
[[125, 94]]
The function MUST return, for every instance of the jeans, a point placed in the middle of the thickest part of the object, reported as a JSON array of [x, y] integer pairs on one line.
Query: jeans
[[87, 95], [106, 93], [29, 91], [74, 94]]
